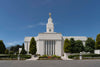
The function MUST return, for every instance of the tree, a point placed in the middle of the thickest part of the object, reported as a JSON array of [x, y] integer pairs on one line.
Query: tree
[[97, 43], [23, 50], [67, 46], [89, 45], [6, 51], [2, 47], [32, 49], [15, 48], [72, 41], [79, 46], [89, 49]]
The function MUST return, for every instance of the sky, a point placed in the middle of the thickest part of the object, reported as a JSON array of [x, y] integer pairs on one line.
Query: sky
[[23, 18]]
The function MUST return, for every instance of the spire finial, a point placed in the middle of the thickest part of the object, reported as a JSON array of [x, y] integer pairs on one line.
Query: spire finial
[[49, 14]]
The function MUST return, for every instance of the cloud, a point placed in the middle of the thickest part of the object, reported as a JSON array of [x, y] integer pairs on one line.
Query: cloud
[[35, 25], [14, 43], [31, 26], [42, 24]]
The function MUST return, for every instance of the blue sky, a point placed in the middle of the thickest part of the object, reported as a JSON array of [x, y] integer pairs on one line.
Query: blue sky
[[21, 18]]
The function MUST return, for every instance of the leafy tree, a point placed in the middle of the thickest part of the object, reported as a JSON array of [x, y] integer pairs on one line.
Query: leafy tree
[[23, 50], [79, 46], [2, 47], [89, 45], [32, 49], [67, 46], [89, 49], [97, 43], [15, 48], [72, 41], [6, 51]]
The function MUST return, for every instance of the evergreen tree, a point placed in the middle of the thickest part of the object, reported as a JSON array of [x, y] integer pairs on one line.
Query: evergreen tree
[[23, 50], [89, 45], [2, 47], [67, 46], [32, 49], [72, 41], [78, 46], [97, 43]]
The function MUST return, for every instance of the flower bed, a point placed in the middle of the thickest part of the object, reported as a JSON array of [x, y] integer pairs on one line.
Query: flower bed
[[45, 57]]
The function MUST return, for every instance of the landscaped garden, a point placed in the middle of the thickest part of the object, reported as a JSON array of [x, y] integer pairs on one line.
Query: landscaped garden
[[45, 57]]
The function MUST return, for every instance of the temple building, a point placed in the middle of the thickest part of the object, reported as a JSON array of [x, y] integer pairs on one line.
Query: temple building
[[50, 42]]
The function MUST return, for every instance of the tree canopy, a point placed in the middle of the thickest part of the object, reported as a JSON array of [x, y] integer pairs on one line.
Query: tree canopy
[[89, 45], [97, 43], [15, 48], [78, 46], [2, 47], [72, 41], [67, 46], [23, 50], [32, 48]]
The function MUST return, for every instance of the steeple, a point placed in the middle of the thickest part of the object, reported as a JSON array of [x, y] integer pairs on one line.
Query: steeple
[[50, 25], [49, 14], [50, 19]]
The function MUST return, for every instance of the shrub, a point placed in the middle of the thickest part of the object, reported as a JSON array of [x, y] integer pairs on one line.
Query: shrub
[[85, 55], [25, 56], [11, 52], [44, 56]]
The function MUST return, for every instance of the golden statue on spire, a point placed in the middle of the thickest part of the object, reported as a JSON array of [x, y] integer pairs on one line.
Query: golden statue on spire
[[49, 14]]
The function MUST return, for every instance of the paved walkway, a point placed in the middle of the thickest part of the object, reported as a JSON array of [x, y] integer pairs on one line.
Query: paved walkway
[[51, 63]]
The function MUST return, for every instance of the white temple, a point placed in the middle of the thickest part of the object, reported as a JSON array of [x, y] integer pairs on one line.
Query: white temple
[[50, 42]]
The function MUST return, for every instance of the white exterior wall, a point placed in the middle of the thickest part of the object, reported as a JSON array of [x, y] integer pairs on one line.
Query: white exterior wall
[[82, 38], [97, 51], [58, 48], [40, 47], [27, 45]]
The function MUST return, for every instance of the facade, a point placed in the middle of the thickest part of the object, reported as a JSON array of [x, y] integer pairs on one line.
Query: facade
[[50, 42]]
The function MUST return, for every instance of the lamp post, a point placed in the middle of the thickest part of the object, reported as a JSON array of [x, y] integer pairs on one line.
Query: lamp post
[[80, 55]]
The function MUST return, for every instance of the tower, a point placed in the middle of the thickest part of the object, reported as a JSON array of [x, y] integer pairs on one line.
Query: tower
[[50, 25]]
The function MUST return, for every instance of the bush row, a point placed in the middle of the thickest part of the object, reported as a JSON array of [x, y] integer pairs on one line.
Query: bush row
[[85, 55], [14, 56], [46, 56]]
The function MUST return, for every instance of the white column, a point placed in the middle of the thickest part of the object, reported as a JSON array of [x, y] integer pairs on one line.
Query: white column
[[51, 47], [54, 47], [46, 47]]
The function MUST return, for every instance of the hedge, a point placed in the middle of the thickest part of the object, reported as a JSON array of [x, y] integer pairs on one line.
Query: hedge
[[84, 55], [11, 56]]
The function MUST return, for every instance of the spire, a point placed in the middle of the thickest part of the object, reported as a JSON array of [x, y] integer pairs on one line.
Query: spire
[[50, 15], [50, 19], [50, 25]]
